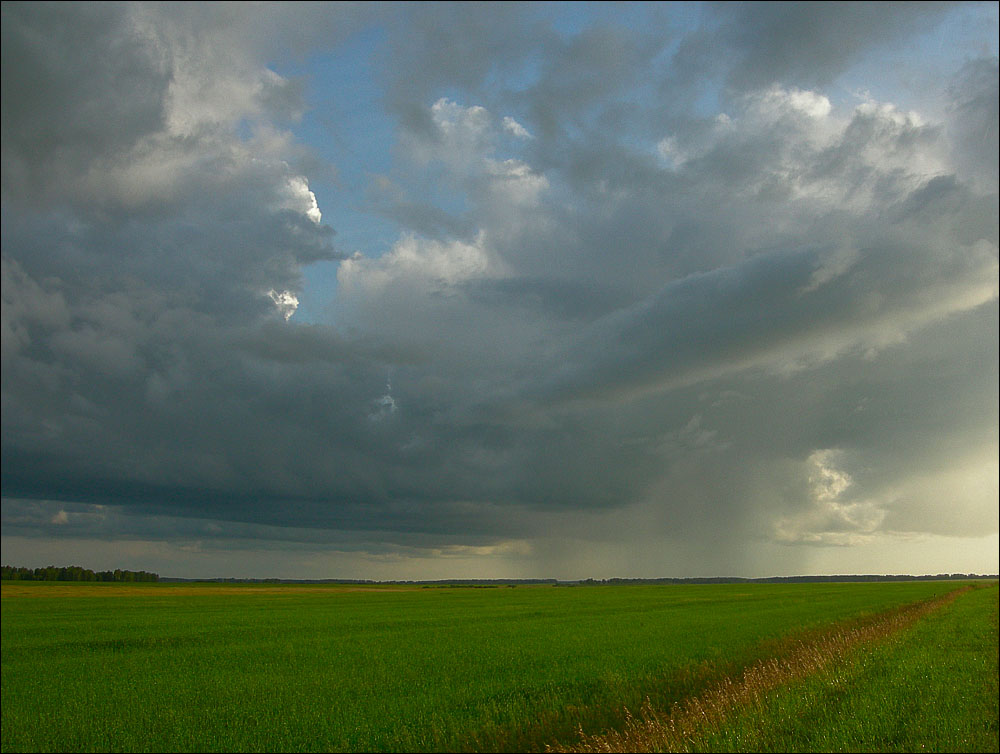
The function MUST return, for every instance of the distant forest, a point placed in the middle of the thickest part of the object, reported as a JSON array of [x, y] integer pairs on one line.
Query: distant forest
[[482, 583], [794, 579], [76, 573], [73, 573]]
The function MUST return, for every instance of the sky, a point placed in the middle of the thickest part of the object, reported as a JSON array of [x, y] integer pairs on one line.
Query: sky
[[429, 291]]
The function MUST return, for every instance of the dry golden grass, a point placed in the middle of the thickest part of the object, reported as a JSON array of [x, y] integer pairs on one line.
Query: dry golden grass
[[681, 728]]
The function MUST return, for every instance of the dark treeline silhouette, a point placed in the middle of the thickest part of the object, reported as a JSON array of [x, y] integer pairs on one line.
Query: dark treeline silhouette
[[73, 573], [484, 583], [76, 573], [791, 579]]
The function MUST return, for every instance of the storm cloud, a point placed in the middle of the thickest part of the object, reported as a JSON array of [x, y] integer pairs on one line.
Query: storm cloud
[[670, 293]]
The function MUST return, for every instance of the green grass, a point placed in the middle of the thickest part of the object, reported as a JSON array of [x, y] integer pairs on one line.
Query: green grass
[[930, 688], [169, 668]]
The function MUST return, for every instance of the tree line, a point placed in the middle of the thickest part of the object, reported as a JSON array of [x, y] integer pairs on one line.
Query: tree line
[[852, 578], [73, 573]]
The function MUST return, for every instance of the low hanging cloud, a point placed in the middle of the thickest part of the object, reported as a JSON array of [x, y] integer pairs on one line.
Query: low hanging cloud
[[624, 326]]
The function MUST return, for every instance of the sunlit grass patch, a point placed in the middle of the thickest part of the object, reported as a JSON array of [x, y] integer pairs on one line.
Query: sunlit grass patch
[[920, 678], [931, 688]]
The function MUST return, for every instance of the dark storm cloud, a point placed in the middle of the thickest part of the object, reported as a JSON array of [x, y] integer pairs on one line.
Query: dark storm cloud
[[609, 317], [732, 319], [75, 92], [456, 45], [784, 239], [807, 44], [974, 100], [144, 242]]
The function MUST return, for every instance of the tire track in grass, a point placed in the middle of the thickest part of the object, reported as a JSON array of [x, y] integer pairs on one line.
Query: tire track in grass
[[680, 729]]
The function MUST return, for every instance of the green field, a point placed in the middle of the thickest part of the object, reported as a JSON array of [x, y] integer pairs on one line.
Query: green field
[[933, 688], [290, 668]]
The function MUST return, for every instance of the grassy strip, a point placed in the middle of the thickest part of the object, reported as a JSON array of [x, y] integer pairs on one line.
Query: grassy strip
[[705, 722], [933, 688]]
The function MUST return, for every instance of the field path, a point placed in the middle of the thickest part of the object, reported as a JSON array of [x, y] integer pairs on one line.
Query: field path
[[689, 719]]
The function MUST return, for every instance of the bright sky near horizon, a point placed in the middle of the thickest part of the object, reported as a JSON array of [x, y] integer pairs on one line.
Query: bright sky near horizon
[[570, 290]]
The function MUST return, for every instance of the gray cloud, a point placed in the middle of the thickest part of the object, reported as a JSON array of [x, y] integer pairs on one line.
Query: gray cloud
[[809, 45], [74, 93], [974, 120], [611, 323]]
